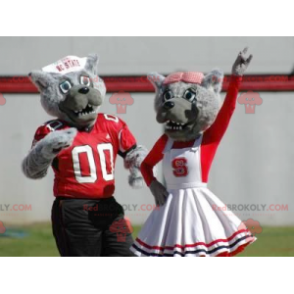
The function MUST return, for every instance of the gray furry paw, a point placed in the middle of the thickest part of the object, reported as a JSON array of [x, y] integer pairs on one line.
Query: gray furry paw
[[135, 157], [159, 192], [56, 141], [136, 183], [136, 180], [133, 162], [241, 63]]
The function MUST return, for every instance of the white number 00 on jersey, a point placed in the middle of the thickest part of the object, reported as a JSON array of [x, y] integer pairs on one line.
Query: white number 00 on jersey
[[93, 173]]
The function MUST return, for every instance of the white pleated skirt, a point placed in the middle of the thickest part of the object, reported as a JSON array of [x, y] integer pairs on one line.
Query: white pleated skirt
[[192, 223]]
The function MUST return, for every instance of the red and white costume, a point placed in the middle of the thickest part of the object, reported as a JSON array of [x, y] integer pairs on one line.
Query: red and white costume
[[188, 223]]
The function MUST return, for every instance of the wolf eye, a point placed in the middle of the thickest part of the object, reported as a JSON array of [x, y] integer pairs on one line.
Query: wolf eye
[[65, 86], [167, 95], [85, 81], [189, 95]]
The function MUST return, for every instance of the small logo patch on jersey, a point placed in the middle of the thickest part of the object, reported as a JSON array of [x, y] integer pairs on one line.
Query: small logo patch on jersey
[[54, 125]]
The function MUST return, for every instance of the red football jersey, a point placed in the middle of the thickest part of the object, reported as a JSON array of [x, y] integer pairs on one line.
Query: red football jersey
[[86, 168]]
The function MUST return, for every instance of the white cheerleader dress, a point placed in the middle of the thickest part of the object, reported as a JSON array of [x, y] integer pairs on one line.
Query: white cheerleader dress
[[191, 222]]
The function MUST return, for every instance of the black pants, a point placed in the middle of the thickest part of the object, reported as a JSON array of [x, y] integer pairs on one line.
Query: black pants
[[91, 227]]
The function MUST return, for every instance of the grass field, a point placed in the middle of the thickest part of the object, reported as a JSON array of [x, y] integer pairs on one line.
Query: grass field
[[38, 241]]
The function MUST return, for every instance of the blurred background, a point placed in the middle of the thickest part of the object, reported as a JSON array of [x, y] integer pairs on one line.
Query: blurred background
[[253, 168]]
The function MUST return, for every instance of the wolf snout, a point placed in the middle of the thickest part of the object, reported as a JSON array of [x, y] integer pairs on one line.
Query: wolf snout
[[168, 105], [84, 90]]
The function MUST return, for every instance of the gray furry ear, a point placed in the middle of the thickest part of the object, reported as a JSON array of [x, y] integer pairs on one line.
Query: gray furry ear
[[92, 63], [41, 79], [156, 79], [213, 81]]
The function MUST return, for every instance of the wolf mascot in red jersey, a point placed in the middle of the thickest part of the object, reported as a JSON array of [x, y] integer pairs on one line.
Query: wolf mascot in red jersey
[[81, 145]]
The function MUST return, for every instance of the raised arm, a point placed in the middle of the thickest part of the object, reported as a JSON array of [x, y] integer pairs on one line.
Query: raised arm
[[219, 127]]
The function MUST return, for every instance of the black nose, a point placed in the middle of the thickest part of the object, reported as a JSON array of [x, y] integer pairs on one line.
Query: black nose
[[84, 90], [168, 105]]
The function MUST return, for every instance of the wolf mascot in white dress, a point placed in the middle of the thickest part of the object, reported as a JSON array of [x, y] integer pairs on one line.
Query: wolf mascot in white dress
[[187, 222]]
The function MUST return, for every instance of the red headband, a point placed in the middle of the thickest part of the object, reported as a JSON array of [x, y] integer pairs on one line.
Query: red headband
[[187, 77]]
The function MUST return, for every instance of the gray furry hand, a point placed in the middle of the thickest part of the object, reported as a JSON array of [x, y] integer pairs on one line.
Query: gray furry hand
[[135, 157], [135, 178], [241, 63], [56, 141], [159, 192]]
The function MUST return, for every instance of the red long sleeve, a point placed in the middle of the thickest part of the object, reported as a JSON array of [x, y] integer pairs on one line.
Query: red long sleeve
[[214, 134], [154, 156], [220, 125]]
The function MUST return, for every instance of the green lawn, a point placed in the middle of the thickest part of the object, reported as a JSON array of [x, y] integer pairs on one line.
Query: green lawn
[[38, 241]]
